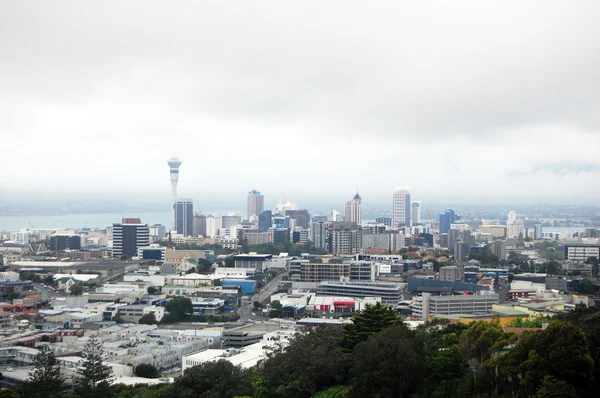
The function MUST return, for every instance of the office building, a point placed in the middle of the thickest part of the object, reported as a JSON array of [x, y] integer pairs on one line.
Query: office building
[[511, 217], [497, 231], [265, 220], [299, 235], [301, 216], [335, 216], [538, 232], [447, 218], [319, 272], [401, 207], [256, 204], [390, 293], [199, 227], [516, 229], [319, 232], [579, 250], [498, 249], [473, 304], [128, 236], [319, 218], [353, 211], [174, 165], [451, 273], [345, 238], [213, 224], [230, 220], [384, 220], [157, 232], [183, 217], [65, 242], [415, 213]]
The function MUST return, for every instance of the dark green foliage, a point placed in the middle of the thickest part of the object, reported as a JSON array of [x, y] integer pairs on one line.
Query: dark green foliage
[[373, 319], [146, 370], [482, 340], [45, 380], [311, 362], [179, 308], [94, 377], [218, 379], [388, 364], [148, 319], [276, 310], [552, 388], [204, 265], [153, 290], [586, 286], [75, 290]]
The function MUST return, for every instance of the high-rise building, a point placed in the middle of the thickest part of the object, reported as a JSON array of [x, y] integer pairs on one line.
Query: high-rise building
[[353, 211], [512, 217], [256, 204], [516, 229], [498, 249], [231, 220], [415, 213], [538, 234], [174, 164], [61, 242], [447, 218], [199, 227], [319, 218], [384, 220], [319, 234], [265, 220], [346, 238], [335, 216], [128, 236], [301, 216], [401, 207], [183, 217], [213, 224]]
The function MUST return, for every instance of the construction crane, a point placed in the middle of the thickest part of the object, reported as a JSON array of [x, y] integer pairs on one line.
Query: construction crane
[[431, 226], [31, 225]]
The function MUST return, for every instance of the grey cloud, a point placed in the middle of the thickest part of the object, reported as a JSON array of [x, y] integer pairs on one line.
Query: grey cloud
[[559, 169]]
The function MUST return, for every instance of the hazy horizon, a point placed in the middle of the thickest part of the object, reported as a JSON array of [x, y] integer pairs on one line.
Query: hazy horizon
[[465, 102]]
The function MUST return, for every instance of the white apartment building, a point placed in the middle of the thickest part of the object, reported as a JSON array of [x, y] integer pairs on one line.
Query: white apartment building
[[427, 304], [401, 207]]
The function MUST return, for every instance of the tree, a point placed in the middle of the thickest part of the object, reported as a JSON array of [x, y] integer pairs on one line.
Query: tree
[[311, 362], [257, 305], [388, 364], [553, 268], [482, 340], [276, 309], [45, 380], [373, 319], [179, 309], [560, 351], [595, 263], [586, 286], [146, 370], [230, 262], [204, 265], [94, 376], [75, 290], [153, 290], [210, 380], [552, 388], [148, 319]]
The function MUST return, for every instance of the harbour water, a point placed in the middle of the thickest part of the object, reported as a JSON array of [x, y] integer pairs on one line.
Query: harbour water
[[99, 220]]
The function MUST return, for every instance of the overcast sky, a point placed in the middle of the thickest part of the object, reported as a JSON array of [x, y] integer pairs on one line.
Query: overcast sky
[[464, 101]]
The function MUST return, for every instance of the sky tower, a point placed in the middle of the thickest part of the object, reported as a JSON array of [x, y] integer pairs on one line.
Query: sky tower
[[174, 164]]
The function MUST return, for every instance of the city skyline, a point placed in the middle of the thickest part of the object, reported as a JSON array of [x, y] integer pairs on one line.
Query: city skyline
[[76, 87]]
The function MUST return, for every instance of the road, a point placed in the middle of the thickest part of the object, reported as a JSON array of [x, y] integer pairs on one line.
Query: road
[[248, 304]]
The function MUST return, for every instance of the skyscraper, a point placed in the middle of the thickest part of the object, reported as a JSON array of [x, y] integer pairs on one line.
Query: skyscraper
[[256, 204], [512, 217], [446, 220], [415, 213], [302, 217], [199, 228], [319, 234], [128, 236], [174, 164], [401, 207], [183, 216], [353, 211], [265, 220]]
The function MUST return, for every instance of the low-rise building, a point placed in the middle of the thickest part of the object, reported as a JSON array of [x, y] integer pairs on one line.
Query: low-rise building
[[133, 313]]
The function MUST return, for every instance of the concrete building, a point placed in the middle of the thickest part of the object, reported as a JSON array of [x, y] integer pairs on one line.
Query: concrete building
[[516, 230], [128, 236], [390, 293], [451, 273], [258, 238], [133, 313], [183, 217], [346, 238], [498, 249], [252, 261], [415, 213], [318, 271], [401, 207], [255, 204], [428, 304], [213, 224], [319, 234], [579, 250], [353, 211], [199, 225], [556, 283], [152, 252], [302, 217], [65, 242], [496, 231], [538, 232]]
